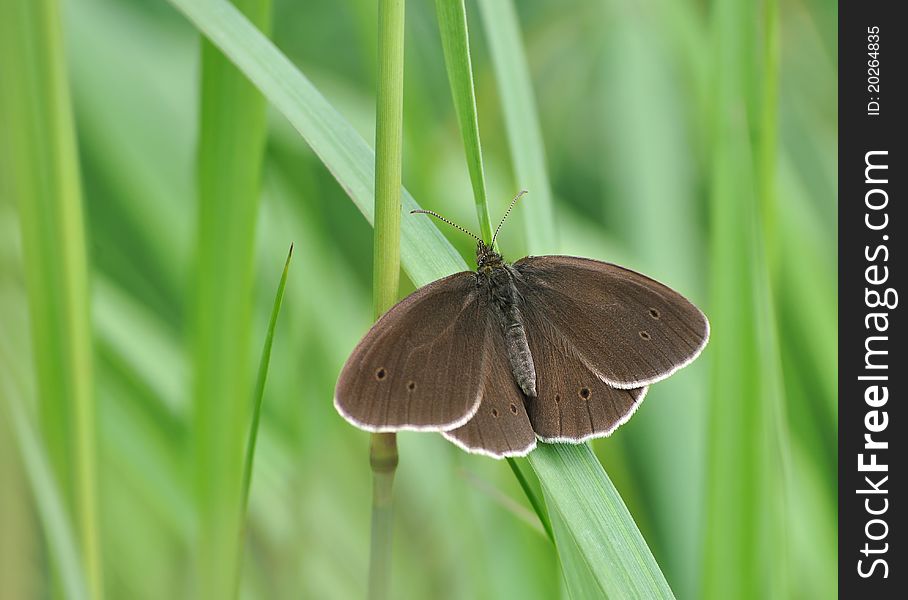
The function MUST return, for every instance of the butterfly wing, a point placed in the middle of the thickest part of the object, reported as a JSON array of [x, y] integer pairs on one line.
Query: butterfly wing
[[422, 364], [501, 426], [626, 328], [572, 403]]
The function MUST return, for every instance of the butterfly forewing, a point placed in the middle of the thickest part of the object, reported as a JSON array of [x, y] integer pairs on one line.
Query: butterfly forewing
[[422, 364], [501, 426], [630, 330]]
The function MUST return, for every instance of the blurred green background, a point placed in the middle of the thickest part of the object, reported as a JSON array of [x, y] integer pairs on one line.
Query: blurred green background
[[664, 154]]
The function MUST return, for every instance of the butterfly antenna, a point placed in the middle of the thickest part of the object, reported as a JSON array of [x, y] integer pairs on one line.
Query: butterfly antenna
[[506, 213], [421, 211]]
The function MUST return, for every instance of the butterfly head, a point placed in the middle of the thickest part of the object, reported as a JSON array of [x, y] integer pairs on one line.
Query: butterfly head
[[486, 257]]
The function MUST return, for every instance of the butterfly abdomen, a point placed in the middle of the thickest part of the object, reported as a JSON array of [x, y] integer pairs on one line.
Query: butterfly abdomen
[[520, 358], [504, 298]]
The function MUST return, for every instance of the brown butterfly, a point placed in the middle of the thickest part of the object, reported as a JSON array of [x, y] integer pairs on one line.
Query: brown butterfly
[[555, 348]]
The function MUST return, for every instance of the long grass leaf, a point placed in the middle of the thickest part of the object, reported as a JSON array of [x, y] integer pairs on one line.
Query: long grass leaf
[[40, 151], [745, 493], [231, 142]]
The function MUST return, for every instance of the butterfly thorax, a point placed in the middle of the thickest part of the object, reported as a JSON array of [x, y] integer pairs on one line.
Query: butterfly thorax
[[497, 278]]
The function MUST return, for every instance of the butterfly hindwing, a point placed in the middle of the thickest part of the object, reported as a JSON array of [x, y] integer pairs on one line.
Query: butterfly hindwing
[[572, 404], [628, 329], [422, 364], [501, 426]]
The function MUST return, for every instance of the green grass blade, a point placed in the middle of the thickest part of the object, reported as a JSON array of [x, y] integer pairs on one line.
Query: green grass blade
[[452, 23], [260, 380], [231, 142], [597, 522], [518, 105], [41, 162], [426, 255]]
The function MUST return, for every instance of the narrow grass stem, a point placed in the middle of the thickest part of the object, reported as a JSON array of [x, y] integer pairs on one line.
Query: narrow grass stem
[[388, 154], [386, 263], [383, 460], [533, 498]]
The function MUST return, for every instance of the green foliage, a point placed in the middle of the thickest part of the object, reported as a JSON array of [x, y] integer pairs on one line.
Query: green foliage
[[40, 162], [230, 145], [747, 489], [260, 379], [452, 24], [42, 481], [599, 544], [663, 150], [518, 107]]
